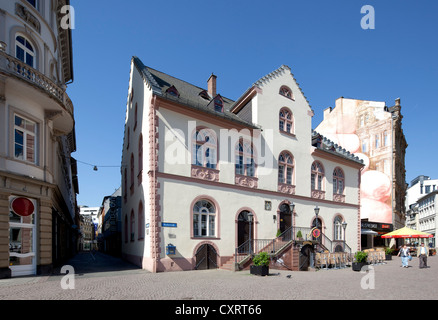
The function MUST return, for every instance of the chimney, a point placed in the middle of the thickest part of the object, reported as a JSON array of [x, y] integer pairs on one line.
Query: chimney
[[397, 102], [212, 85]]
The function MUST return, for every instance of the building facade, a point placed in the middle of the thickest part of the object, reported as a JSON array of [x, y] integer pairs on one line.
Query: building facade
[[110, 218], [421, 205], [427, 216], [203, 175], [38, 176], [373, 132]]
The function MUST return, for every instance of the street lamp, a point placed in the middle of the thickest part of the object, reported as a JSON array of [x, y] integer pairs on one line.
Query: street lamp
[[316, 214], [250, 217], [292, 208], [344, 225]]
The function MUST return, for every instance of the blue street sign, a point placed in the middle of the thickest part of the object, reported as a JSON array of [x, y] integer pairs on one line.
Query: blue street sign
[[169, 225]]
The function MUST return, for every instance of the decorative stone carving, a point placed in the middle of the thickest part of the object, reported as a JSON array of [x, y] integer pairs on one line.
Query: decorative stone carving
[[248, 182], [205, 173], [339, 198], [25, 14], [286, 188], [318, 194]]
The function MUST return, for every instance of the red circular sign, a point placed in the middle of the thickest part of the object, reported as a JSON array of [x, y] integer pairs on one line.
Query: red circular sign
[[316, 233], [23, 207]]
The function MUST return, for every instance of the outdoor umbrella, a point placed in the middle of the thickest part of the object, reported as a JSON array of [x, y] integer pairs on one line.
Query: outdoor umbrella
[[406, 233]]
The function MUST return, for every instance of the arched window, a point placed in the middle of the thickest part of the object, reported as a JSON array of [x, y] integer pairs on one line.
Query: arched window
[[286, 92], [140, 221], [132, 173], [24, 51], [338, 181], [317, 177], [204, 219], [135, 115], [285, 168], [245, 164], [205, 148], [286, 121], [140, 160], [125, 180], [132, 225], [337, 227]]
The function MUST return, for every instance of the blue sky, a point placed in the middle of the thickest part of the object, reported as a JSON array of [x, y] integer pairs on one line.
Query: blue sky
[[240, 41]]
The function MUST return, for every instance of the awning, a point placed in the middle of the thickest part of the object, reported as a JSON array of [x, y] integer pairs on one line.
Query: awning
[[407, 233], [368, 231]]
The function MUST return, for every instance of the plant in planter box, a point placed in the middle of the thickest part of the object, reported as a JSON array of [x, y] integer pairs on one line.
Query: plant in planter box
[[299, 235], [388, 253], [360, 258], [260, 264]]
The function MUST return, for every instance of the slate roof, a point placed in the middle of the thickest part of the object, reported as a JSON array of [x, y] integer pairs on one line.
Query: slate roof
[[188, 95], [324, 144]]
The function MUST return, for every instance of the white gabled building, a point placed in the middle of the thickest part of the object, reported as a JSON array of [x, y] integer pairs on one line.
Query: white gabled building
[[197, 165]]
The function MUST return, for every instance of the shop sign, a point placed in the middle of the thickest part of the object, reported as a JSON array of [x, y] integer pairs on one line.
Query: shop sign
[[22, 207]]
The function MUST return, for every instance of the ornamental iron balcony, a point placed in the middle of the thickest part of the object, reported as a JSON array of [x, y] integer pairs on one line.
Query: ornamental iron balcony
[[20, 70]]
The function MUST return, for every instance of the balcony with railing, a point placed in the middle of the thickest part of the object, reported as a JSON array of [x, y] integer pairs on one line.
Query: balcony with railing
[[61, 112]]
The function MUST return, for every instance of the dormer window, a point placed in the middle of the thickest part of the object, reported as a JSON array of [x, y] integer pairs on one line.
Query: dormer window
[[218, 105], [286, 92], [173, 92], [204, 94]]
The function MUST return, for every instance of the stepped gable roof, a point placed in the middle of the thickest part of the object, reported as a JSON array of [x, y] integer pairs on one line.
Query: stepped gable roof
[[326, 145], [277, 72], [189, 95]]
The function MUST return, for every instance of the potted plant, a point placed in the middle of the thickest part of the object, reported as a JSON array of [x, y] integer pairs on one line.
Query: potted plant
[[360, 258], [388, 253], [260, 265], [299, 235]]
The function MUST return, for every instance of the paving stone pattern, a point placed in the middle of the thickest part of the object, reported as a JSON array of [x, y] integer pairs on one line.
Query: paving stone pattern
[[101, 277]]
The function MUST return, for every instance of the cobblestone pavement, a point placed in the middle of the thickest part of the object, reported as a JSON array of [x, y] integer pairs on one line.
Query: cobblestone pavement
[[101, 277]]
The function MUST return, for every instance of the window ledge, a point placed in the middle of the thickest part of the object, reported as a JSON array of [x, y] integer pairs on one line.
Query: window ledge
[[205, 173], [286, 188], [339, 198], [245, 181], [318, 194]]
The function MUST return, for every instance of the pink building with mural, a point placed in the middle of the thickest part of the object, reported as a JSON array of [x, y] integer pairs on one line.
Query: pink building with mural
[[373, 131]]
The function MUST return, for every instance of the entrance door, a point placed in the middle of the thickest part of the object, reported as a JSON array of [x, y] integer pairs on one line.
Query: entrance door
[[306, 253], [206, 258], [244, 228], [285, 217], [22, 236]]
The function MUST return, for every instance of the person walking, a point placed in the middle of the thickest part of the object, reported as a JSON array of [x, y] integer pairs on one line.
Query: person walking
[[422, 254], [404, 254]]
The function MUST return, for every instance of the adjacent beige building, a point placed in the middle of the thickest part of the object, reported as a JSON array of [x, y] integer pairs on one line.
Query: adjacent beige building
[[38, 176]]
